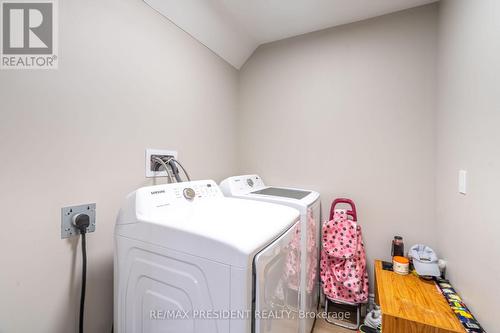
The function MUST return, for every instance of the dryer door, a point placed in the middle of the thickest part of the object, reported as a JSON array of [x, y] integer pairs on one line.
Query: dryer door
[[275, 306]]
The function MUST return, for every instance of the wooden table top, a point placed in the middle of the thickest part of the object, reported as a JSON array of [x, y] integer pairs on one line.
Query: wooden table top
[[411, 298]]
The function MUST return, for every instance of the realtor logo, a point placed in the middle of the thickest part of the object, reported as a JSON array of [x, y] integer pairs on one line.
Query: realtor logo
[[29, 39]]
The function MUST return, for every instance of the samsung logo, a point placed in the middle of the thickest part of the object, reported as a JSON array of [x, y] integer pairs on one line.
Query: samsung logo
[[158, 192]]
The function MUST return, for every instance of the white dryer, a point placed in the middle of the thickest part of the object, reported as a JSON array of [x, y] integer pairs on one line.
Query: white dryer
[[189, 260], [308, 203]]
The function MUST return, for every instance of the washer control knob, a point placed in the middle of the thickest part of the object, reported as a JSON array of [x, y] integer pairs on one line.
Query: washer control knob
[[250, 182], [189, 193]]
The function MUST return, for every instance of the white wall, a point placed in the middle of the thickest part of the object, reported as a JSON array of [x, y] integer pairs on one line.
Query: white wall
[[468, 137], [318, 111], [128, 79], [349, 111]]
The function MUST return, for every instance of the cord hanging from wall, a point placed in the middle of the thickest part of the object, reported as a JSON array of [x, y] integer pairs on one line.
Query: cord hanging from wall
[[82, 222], [79, 221]]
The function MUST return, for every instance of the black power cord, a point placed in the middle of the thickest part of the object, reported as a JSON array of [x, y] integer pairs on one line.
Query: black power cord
[[82, 221]]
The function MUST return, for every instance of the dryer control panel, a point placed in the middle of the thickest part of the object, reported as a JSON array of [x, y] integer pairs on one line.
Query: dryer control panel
[[238, 185], [167, 201], [168, 195], [197, 190]]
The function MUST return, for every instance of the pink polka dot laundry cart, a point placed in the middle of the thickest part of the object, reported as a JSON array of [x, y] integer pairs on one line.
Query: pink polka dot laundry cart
[[343, 271]]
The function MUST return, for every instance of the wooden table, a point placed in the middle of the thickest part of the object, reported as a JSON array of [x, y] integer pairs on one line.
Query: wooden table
[[412, 305]]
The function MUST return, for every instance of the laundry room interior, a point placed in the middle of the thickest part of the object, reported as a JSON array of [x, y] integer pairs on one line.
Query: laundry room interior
[[188, 166]]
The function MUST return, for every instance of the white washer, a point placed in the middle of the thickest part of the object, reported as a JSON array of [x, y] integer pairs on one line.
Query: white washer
[[308, 203], [189, 260]]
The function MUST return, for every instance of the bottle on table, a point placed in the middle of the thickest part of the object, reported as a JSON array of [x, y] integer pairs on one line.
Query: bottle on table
[[398, 247]]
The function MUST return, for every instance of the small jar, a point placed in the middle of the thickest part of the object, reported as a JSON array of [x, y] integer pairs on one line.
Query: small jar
[[398, 247], [401, 265]]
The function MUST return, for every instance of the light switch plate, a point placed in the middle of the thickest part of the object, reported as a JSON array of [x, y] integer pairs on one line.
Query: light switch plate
[[462, 182], [67, 213]]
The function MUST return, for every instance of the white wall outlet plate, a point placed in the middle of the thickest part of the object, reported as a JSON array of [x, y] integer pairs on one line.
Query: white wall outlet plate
[[161, 152]]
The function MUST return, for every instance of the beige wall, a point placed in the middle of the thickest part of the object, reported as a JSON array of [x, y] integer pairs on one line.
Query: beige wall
[[349, 111], [468, 138], [128, 80]]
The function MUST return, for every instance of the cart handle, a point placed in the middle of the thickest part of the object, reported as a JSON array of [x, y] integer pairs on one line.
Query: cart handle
[[351, 212]]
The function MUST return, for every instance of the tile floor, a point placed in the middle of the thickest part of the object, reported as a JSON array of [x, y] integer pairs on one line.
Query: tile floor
[[322, 326]]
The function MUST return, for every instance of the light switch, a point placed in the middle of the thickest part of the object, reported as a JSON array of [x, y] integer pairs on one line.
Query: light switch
[[462, 181]]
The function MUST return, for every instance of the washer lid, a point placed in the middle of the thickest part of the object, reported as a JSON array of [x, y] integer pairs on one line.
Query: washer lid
[[226, 230], [252, 187], [283, 192]]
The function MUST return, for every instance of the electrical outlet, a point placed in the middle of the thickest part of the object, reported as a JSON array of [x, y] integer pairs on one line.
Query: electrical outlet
[[149, 165], [67, 214]]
